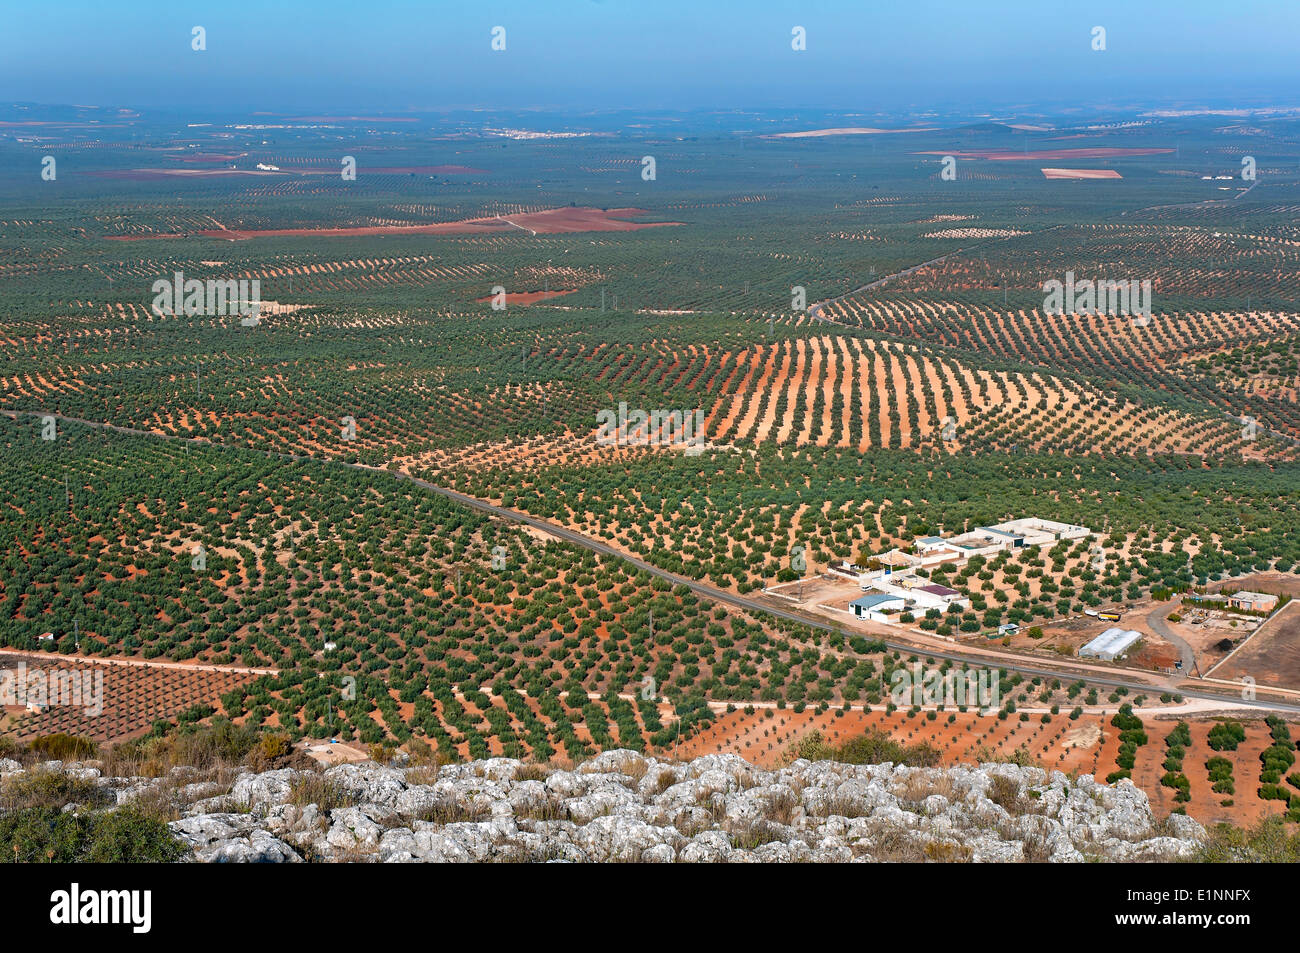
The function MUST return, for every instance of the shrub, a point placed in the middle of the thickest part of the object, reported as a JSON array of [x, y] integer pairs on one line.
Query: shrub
[[51, 835], [874, 747], [62, 747], [1226, 735]]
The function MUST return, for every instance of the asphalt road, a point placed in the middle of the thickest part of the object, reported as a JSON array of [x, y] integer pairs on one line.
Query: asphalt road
[[1009, 662]]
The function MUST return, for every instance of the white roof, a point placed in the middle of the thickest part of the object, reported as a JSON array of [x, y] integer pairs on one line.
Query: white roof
[[1252, 596], [1111, 642]]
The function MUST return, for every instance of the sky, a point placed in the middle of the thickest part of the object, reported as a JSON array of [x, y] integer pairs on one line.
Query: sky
[[347, 56]]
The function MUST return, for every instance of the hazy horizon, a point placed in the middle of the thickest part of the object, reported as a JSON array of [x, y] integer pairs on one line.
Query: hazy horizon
[[335, 57]]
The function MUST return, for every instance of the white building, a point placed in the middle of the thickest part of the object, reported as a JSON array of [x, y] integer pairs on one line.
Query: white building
[[1039, 532], [875, 605], [1110, 645], [917, 594]]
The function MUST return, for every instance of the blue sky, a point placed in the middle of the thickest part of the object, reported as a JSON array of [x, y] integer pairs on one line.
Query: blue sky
[[332, 56]]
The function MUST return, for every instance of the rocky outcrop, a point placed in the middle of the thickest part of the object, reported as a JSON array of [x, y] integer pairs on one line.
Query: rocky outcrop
[[622, 806]]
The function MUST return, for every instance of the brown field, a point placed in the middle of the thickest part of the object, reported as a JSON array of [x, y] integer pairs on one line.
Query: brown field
[[844, 131], [1088, 745], [553, 221], [402, 170], [883, 382], [144, 175], [1007, 155], [1272, 655], [766, 741], [1081, 174], [1205, 805], [529, 297], [134, 695]]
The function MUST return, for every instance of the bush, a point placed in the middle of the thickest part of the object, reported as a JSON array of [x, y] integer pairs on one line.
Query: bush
[[62, 747], [874, 747], [52, 789], [51, 835]]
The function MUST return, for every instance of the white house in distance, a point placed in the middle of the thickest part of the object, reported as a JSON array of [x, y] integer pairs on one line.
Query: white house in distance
[[984, 541], [1039, 532]]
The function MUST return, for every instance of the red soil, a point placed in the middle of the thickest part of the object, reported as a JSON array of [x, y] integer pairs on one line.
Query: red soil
[[1081, 174], [401, 170], [548, 222], [1007, 155], [146, 175], [528, 297]]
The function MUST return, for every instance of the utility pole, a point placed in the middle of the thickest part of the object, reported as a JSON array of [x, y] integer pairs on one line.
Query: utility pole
[[678, 738], [67, 497], [198, 376]]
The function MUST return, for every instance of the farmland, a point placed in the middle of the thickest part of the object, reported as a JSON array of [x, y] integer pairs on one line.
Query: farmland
[[866, 342]]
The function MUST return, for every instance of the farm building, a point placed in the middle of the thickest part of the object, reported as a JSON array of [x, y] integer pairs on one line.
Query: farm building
[[927, 544], [1038, 532], [917, 594], [988, 541], [935, 596], [1252, 601], [980, 542], [1110, 645], [875, 605]]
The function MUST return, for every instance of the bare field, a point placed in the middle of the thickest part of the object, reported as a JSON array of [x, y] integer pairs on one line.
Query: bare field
[[1272, 655], [134, 696], [1081, 174]]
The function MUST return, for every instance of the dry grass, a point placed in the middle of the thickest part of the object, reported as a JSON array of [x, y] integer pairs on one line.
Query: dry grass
[[947, 852], [894, 845], [780, 807], [54, 789], [546, 809], [450, 811], [1005, 792], [535, 772], [912, 792], [842, 806], [752, 834], [312, 788]]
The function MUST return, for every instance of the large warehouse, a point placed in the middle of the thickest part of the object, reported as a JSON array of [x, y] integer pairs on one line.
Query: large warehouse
[[1110, 645]]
